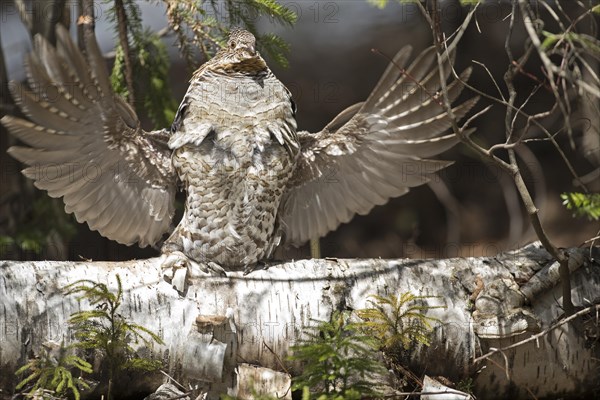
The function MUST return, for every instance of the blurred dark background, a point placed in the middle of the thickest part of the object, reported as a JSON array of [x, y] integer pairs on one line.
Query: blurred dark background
[[472, 209]]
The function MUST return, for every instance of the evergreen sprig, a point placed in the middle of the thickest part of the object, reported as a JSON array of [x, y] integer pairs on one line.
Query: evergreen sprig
[[338, 361], [50, 373], [151, 84], [583, 204], [397, 321], [204, 26], [104, 329], [150, 64]]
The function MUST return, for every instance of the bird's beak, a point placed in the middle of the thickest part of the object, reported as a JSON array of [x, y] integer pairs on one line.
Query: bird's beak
[[251, 49]]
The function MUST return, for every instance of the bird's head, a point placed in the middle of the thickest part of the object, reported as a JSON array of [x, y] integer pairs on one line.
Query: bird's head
[[242, 43], [239, 56]]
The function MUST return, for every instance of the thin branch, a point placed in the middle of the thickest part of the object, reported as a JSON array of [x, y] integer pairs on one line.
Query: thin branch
[[491, 77], [122, 25], [86, 21], [460, 132], [519, 110], [537, 172], [509, 78], [503, 146], [531, 76], [277, 358], [513, 206], [538, 335], [5, 97], [173, 380], [560, 256], [475, 116], [531, 118], [537, 44], [591, 71], [536, 123], [512, 167], [592, 240], [506, 367]]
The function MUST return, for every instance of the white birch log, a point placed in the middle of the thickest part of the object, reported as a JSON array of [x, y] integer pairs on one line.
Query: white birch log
[[221, 325]]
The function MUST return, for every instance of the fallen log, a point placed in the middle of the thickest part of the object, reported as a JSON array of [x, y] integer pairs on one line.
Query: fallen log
[[220, 332]]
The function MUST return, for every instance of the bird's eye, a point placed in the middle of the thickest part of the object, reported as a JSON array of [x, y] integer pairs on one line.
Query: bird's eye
[[232, 45]]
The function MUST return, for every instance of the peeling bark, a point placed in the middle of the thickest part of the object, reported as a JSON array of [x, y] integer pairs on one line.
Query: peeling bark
[[222, 326]]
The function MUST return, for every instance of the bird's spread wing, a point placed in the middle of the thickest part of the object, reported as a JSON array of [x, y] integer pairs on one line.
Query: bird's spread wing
[[86, 144], [374, 150]]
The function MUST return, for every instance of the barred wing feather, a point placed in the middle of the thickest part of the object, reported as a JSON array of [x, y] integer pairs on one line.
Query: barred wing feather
[[374, 150], [85, 144]]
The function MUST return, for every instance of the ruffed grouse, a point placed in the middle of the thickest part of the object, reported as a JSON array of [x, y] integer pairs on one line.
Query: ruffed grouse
[[252, 180]]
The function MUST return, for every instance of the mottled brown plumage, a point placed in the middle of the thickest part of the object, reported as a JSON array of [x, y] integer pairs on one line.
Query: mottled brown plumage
[[234, 147], [251, 180]]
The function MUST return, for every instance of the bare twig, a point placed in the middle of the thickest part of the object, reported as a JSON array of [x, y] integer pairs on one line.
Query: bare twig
[[512, 167], [537, 44], [487, 70], [538, 335], [530, 206], [475, 116], [531, 76], [591, 240], [173, 380], [460, 132], [535, 123], [537, 176], [506, 367], [277, 358], [519, 111]]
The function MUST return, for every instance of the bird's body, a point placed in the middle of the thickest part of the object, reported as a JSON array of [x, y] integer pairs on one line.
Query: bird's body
[[234, 148], [252, 181]]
